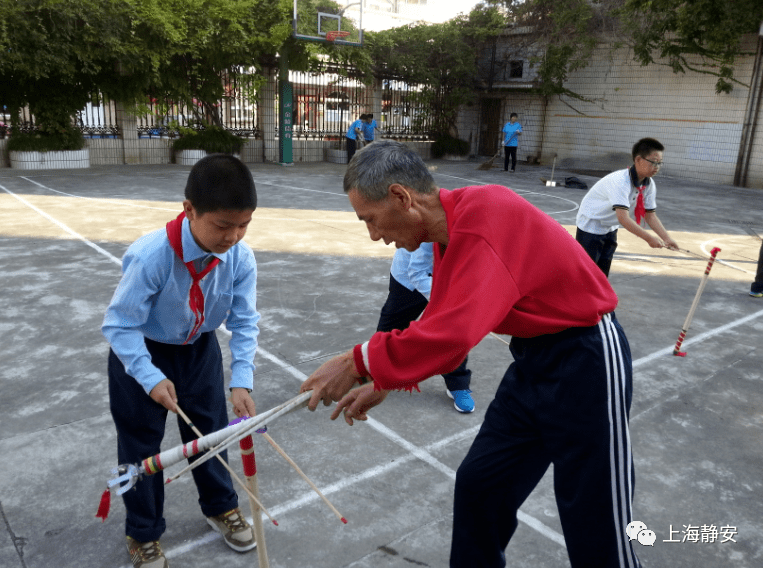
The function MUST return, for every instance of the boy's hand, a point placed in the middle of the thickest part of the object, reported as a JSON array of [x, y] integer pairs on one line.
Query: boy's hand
[[164, 393], [654, 242], [242, 402], [671, 244]]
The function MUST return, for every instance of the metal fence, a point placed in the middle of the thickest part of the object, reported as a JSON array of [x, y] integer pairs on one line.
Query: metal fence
[[237, 111], [326, 101]]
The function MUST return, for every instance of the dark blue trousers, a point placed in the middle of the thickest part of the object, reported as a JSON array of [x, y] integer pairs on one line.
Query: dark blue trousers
[[564, 400], [601, 248], [404, 306], [197, 372]]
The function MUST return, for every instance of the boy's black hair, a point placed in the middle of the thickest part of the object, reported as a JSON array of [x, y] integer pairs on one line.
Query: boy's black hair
[[513, 114], [363, 116], [220, 181], [646, 146]]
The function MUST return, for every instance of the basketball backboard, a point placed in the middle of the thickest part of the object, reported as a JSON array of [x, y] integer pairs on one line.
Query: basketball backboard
[[314, 20]]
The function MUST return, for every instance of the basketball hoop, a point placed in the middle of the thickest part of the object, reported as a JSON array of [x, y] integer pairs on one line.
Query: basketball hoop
[[332, 36]]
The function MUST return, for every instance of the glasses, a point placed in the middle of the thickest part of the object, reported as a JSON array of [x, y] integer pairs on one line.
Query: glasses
[[655, 164]]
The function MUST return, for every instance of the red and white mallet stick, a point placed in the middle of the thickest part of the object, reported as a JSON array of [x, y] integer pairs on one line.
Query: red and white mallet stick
[[301, 473], [681, 336], [241, 482], [250, 472]]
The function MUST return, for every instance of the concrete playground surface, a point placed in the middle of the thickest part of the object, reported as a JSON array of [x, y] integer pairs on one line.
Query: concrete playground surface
[[696, 422]]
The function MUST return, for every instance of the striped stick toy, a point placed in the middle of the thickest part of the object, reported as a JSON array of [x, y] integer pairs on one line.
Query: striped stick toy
[[681, 336], [216, 442], [246, 444]]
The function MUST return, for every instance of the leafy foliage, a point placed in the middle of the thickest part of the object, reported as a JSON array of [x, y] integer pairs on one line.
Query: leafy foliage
[[439, 57], [563, 34], [56, 52], [71, 139], [700, 35], [212, 139]]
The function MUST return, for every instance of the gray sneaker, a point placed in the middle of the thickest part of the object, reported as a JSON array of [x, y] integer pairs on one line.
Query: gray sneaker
[[238, 534], [146, 554]]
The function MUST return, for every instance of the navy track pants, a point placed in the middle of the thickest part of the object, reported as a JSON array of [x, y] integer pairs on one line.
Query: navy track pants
[[564, 400]]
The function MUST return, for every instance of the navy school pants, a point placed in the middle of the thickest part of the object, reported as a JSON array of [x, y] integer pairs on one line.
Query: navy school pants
[[564, 400], [601, 248], [404, 306], [197, 372]]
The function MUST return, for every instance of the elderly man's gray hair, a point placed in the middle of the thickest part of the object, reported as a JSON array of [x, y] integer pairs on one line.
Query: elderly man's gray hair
[[377, 166]]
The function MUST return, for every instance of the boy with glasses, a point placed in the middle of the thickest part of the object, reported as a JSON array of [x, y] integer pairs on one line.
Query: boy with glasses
[[606, 206]]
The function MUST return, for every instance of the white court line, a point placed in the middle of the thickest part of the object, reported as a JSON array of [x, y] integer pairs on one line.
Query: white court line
[[124, 201], [91, 244], [414, 451], [523, 191], [703, 248]]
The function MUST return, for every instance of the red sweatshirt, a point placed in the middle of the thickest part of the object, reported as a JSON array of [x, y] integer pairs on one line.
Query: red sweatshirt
[[508, 268]]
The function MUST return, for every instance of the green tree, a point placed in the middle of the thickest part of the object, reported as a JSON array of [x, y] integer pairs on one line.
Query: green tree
[[55, 53], [699, 35], [442, 58]]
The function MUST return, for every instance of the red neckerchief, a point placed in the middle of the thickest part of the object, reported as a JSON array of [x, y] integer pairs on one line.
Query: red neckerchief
[[640, 211], [195, 296]]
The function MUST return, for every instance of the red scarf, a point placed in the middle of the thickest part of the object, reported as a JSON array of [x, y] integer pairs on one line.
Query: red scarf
[[195, 296], [640, 209]]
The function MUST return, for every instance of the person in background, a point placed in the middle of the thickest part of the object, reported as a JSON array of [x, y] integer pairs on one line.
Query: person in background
[[512, 130]]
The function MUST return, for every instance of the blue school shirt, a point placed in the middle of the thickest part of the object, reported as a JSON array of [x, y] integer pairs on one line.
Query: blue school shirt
[[369, 130], [351, 130], [151, 301], [414, 269], [510, 130]]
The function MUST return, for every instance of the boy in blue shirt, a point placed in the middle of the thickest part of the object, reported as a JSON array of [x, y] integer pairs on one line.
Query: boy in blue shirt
[[511, 132], [355, 136], [178, 285], [369, 128], [410, 285]]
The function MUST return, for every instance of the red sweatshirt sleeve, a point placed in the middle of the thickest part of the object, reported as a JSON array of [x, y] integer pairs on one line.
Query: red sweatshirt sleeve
[[464, 309]]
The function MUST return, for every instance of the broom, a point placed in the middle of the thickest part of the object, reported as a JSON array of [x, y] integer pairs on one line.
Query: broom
[[489, 164]]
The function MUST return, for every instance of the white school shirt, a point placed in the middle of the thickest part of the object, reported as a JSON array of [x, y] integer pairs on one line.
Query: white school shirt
[[598, 210]]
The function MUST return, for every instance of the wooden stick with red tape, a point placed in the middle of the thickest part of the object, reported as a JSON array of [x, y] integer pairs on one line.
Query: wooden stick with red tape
[[226, 466], [246, 444], [681, 336]]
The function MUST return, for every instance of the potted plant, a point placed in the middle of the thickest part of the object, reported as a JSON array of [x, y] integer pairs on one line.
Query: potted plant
[[56, 142], [334, 153], [450, 148], [195, 144]]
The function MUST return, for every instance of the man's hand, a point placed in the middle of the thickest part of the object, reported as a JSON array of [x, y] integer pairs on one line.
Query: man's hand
[[242, 402], [358, 402], [164, 393], [332, 380]]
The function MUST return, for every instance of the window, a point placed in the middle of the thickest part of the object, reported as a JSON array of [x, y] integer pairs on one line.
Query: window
[[515, 69]]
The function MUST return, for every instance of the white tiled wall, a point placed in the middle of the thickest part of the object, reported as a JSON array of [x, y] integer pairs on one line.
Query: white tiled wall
[[700, 129]]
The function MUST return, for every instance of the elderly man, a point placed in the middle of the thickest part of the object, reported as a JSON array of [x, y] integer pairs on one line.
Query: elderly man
[[502, 265]]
